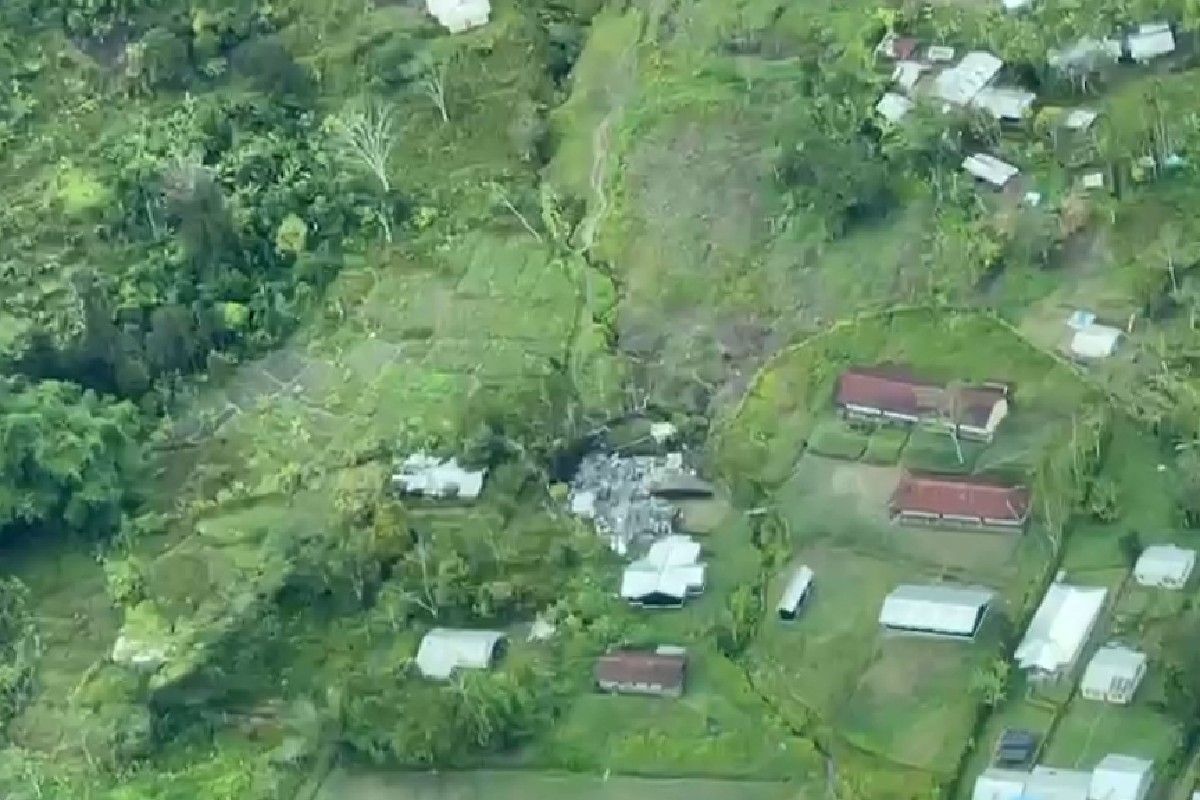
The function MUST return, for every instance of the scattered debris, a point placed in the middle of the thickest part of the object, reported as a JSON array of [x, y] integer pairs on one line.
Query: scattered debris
[[663, 432]]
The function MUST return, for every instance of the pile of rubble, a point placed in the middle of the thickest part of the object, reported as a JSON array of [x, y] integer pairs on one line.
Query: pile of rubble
[[627, 498]]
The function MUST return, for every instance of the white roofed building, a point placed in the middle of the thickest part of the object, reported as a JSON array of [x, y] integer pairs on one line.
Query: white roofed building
[[443, 651], [1080, 119], [1095, 342], [457, 16], [893, 107], [990, 169], [1059, 628], [1116, 777], [435, 477], [936, 610], [1005, 104], [667, 575], [1150, 41], [797, 588], [960, 83], [1165, 566], [1113, 674], [906, 74], [1119, 777]]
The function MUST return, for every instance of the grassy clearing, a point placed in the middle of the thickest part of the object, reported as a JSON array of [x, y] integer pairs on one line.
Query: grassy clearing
[[886, 444], [834, 438], [533, 785], [1090, 730]]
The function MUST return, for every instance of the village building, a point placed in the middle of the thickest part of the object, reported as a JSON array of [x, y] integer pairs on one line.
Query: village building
[[666, 576], [1085, 55], [907, 74], [989, 169], [459, 15], [1113, 675], [893, 107], [939, 53], [1150, 41], [430, 476], [960, 502], [935, 610], [892, 394], [1116, 777], [1016, 749], [1165, 566], [444, 651], [660, 673], [1080, 119], [1095, 341], [798, 586], [896, 47], [1005, 104], [959, 84], [1059, 629]]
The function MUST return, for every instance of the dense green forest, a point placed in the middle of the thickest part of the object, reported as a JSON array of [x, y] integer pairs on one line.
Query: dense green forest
[[254, 252]]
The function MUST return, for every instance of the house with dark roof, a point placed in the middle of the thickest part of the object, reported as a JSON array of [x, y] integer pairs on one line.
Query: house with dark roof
[[960, 502], [893, 394], [658, 673]]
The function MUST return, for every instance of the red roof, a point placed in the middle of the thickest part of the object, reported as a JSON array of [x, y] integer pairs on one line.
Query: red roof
[[895, 389], [961, 497], [904, 47], [627, 667], [888, 388]]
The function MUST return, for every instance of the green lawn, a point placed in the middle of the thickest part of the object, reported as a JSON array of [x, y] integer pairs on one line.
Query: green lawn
[[350, 783], [886, 444], [834, 438], [1091, 730]]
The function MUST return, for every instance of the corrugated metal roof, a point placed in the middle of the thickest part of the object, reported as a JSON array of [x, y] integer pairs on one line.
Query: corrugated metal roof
[[1150, 41], [989, 168], [1060, 626], [952, 610], [459, 15], [632, 667], [1095, 341], [797, 586], [669, 568], [1110, 667], [1120, 777], [893, 107], [444, 650], [438, 477], [957, 496], [1005, 103], [963, 81], [1164, 564]]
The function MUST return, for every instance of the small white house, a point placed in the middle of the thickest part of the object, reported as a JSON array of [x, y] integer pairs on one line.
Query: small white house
[[430, 476], [1095, 342], [1080, 119], [893, 107], [1119, 777], [1059, 628], [906, 74], [457, 16], [989, 169], [960, 83], [667, 576], [1165, 566], [936, 610], [1113, 675], [1150, 41], [443, 651], [797, 589], [1005, 104]]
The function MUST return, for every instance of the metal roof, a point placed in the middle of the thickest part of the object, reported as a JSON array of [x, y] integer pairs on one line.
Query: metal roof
[[963, 81], [1120, 777], [1164, 564], [960, 496], [669, 568], [459, 15], [1060, 626], [1005, 103], [953, 610], [893, 107], [1095, 341], [797, 586], [989, 168], [431, 476], [1080, 119], [1111, 667], [444, 650], [1150, 41]]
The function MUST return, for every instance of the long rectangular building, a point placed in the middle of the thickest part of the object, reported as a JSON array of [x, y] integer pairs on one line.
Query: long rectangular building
[[959, 501]]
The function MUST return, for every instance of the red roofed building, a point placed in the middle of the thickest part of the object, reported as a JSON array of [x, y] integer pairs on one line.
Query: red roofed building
[[633, 672], [893, 394], [960, 501]]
